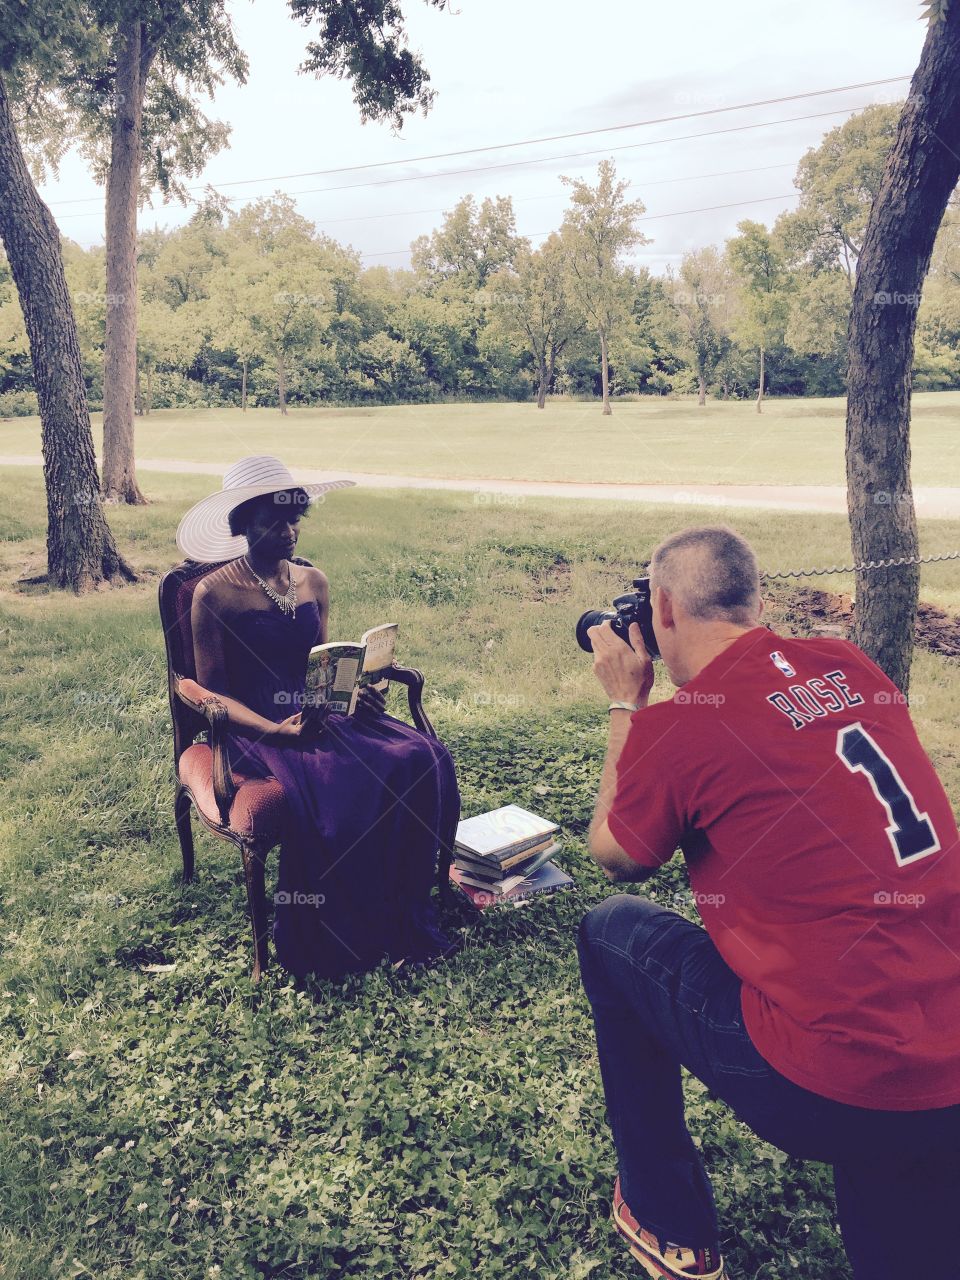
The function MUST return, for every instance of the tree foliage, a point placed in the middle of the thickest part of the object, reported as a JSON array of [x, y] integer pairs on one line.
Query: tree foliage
[[598, 230], [470, 245], [838, 181], [757, 258], [364, 41], [704, 301], [530, 303]]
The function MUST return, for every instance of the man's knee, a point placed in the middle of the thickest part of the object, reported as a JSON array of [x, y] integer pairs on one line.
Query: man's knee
[[616, 919]]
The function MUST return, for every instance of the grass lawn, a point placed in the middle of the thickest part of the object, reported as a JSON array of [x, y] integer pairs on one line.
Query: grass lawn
[[648, 440], [181, 1124]]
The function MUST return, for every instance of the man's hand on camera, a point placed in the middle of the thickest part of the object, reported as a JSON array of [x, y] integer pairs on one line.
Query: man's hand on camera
[[625, 671]]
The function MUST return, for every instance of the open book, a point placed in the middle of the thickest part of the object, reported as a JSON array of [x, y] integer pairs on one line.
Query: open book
[[338, 670]]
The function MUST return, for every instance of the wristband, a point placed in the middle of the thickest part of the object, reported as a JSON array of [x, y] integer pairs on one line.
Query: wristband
[[623, 706]]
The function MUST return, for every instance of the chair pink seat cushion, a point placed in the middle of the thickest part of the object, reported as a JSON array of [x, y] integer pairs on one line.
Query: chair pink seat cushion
[[258, 807]]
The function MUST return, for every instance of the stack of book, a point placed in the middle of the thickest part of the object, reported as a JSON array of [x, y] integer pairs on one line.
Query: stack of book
[[505, 855]]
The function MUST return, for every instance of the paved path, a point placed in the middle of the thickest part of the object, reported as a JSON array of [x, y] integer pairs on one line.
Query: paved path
[[936, 503]]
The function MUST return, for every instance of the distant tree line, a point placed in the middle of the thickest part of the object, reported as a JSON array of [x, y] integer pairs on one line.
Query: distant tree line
[[256, 307]]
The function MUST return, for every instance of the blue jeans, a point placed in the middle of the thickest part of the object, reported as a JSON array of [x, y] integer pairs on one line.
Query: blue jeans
[[662, 997]]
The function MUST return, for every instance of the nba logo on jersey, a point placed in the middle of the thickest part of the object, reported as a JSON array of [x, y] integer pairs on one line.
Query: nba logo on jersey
[[780, 662]]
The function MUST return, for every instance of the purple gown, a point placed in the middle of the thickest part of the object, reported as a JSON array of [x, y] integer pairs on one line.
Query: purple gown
[[369, 803]]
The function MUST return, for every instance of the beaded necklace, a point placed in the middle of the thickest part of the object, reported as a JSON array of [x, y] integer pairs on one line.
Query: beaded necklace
[[287, 604]]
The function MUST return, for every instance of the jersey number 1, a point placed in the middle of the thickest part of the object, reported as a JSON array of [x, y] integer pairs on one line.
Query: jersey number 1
[[910, 832]]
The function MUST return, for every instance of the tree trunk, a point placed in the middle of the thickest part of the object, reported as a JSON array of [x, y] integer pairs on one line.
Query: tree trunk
[[702, 397], [281, 381], [243, 388], [120, 340], [921, 172], [542, 388], [552, 364], [762, 378], [80, 547], [604, 373]]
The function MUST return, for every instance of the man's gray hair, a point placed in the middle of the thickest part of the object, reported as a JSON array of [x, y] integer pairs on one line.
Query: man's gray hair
[[711, 571]]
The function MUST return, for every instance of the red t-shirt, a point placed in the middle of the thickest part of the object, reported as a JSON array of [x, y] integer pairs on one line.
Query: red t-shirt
[[824, 859]]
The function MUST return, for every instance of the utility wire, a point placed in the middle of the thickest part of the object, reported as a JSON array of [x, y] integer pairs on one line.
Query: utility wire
[[526, 142], [679, 213], [552, 195], [574, 155], [581, 133], [571, 155]]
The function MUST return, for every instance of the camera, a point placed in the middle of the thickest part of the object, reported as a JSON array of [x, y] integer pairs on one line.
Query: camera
[[632, 606]]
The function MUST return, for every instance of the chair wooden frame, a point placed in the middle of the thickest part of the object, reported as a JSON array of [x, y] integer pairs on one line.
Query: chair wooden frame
[[194, 719]]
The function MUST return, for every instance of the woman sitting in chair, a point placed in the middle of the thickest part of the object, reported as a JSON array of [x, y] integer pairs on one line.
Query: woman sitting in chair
[[369, 798]]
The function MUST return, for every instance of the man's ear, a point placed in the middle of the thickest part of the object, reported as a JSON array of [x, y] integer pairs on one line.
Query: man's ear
[[763, 605], [664, 606]]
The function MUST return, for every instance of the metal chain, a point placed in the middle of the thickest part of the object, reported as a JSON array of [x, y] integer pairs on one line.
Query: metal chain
[[860, 568]]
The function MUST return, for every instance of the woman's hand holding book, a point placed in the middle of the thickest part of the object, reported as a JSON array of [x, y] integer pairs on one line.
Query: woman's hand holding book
[[371, 702], [289, 728]]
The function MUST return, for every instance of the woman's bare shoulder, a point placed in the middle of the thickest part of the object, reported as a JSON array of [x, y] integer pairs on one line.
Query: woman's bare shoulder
[[316, 580], [222, 588]]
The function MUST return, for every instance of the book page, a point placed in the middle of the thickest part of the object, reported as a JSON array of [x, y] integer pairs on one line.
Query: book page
[[331, 675], [346, 676], [381, 645]]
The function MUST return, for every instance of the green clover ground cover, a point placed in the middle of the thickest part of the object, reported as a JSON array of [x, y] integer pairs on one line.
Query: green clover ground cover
[[161, 1118], [426, 1123]]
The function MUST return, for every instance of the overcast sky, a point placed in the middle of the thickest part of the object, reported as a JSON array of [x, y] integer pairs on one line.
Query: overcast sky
[[512, 70]]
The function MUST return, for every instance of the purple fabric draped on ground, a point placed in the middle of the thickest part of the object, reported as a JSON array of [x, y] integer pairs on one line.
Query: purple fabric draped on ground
[[370, 803]]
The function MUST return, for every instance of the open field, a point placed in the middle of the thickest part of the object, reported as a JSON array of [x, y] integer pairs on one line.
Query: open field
[[441, 1123], [649, 440]]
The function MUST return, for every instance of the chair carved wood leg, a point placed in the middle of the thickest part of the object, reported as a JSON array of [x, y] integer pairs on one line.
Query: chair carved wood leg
[[181, 813], [253, 871]]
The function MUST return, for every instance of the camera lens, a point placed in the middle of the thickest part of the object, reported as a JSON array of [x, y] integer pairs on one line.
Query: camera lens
[[592, 618]]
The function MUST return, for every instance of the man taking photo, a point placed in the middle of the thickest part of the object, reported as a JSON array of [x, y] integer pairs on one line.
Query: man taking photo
[[821, 1001]]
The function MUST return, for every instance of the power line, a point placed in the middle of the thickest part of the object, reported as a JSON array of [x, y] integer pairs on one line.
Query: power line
[[710, 208], [526, 142], [552, 195], [510, 164], [573, 155], [653, 217], [561, 137]]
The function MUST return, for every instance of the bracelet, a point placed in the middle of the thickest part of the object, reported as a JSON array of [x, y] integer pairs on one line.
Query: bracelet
[[623, 706]]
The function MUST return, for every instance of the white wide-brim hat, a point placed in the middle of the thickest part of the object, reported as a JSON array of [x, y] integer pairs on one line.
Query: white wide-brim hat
[[204, 532]]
